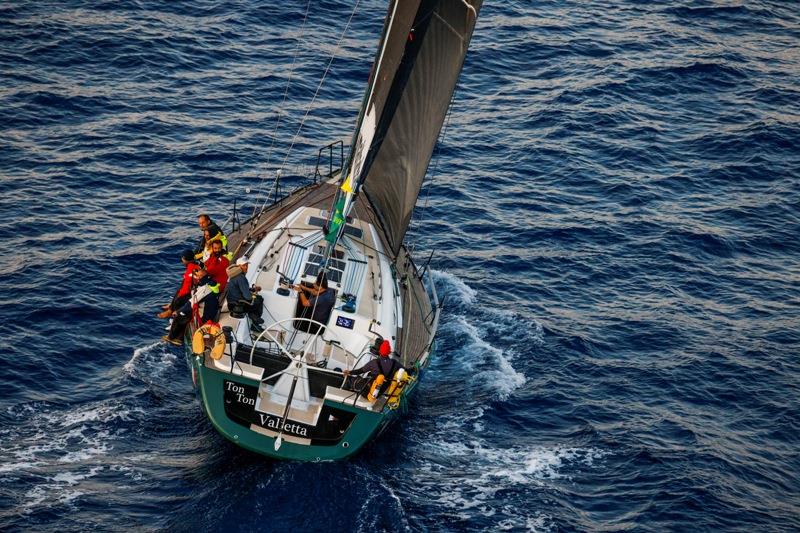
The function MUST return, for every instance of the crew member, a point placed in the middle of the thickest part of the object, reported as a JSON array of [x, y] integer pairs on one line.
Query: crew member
[[384, 365], [320, 304], [185, 290], [241, 296], [205, 295], [217, 264], [214, 232]]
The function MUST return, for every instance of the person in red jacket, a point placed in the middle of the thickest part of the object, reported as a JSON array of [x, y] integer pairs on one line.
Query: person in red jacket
[[183, 294], [217, 264]]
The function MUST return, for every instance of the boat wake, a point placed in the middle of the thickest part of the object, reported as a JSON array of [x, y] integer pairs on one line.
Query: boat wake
[[64, 453], [466, 451], [482, 481], [151, 362], [468, 340]]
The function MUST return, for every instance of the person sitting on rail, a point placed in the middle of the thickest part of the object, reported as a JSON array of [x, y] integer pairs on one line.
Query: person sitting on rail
[[319, 306], [209, 240], [205, 294], [383, 365], [214, 232], [217, 264], [185, 290], [242, 298]]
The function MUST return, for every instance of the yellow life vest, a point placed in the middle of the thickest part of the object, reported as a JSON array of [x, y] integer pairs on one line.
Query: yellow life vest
[[209, 337], [399, 381], [375, 390]]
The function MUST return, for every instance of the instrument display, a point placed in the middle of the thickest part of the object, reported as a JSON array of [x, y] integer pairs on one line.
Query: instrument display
[[344, 322]]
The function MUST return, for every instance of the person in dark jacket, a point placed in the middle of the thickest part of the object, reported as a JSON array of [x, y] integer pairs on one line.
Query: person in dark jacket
[[242, 297], [382, 365], [318, 301]]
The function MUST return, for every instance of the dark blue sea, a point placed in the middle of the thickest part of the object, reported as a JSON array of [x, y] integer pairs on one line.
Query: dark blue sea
[[614, 210]]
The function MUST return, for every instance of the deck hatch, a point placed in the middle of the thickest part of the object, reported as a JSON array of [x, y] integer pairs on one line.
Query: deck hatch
[[348, 230]]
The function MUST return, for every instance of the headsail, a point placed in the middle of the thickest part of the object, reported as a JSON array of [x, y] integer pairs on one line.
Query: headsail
[[415, 72]]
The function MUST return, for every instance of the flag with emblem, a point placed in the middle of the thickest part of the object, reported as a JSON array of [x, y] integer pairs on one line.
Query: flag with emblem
[[336, 220]]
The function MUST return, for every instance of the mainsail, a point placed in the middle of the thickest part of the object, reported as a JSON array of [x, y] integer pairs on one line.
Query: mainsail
[[414, 75]]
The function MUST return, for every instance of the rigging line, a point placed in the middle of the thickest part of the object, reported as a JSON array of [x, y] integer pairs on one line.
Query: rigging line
[[283, 103], [321, 81]]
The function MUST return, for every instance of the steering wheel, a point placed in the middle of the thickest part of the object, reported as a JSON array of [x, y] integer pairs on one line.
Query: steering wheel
[[311, 342]]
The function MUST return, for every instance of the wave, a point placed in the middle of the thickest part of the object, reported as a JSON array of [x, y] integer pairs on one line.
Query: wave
[[468, 353], [488, 483], [481, 362], [628, 173], [459, 467], [150, 363], [56, 450]]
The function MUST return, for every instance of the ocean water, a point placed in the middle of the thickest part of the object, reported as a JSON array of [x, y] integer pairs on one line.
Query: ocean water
[[615, 212]]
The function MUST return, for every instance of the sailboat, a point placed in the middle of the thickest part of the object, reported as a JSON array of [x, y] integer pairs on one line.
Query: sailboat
[[282, 390]]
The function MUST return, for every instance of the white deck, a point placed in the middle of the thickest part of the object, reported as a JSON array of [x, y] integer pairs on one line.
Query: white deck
[[289, 248]]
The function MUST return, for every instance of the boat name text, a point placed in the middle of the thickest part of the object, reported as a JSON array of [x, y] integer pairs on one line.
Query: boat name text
[[243, 397], [276, 424], [238, 390]]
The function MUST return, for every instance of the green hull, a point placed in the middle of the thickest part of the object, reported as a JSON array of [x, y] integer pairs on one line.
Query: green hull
[[365, 425]]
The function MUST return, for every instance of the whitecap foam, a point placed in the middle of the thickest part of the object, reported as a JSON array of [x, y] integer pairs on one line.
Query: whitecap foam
[[149, 363], [73, 478], [19, 412], [34, 498], [505, 322], [54, 437], [61, 448], [68, 496], [84, 454], [463, 417], [127, 470], [538, 523], [468, 475], [510, 324], [521, 466], [481, 360], [104, 413], [452, 288], [14, 467], [138, 353], [60, 488], [484, 362]]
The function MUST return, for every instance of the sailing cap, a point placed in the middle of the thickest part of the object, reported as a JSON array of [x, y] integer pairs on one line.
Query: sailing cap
[[242, 261], [385, 349]]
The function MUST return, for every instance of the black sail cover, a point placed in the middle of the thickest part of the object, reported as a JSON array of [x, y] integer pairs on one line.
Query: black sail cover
[[414, 76]]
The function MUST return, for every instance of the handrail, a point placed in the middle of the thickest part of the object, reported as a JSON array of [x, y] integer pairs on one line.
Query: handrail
[[279, 194], [331, 171], [233, 219]]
